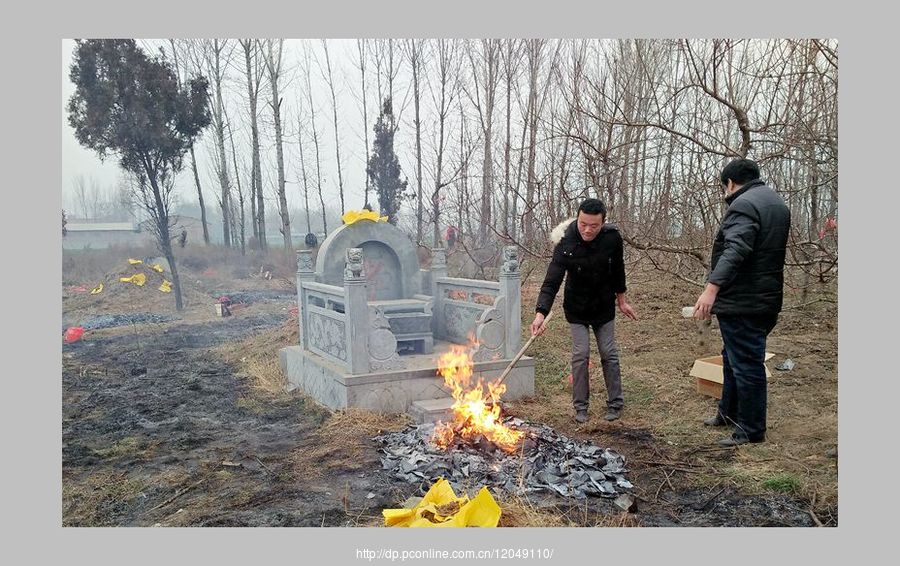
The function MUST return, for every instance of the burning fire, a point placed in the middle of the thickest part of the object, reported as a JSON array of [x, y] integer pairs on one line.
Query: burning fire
[[473, 413]]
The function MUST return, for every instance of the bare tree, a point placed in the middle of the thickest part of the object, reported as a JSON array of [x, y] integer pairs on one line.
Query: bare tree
[[361, 48], [315, 135], [303, 175], [329, 79], [387, 66], [273, 60], [510, 57], [181, 52], [484, 60], [237, 178], [254, 74], [443, 94], [215, 55], [414, 50], [80, 188]]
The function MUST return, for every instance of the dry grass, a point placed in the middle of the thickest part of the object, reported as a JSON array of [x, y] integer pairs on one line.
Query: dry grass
[[92, 501], [519, 511], [257, 359], [657, 353], [204, 273], [343, 442]]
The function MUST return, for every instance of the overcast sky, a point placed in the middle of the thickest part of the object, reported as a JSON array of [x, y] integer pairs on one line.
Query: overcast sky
[[78, 161]]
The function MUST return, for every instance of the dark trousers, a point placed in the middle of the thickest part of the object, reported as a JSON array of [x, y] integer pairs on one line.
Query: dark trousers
[[743, 400], [605, 335]]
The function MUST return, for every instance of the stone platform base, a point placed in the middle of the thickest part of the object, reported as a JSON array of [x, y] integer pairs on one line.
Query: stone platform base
[[392, 391], [431, 410]]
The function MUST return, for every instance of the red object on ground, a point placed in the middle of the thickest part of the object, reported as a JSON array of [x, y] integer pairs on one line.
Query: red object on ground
[[73, 334], [225, 300], [590, 367], [295, 311]]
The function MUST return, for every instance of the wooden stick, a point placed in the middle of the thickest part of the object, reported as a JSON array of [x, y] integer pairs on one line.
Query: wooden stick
[[179, 494], [509, 368]]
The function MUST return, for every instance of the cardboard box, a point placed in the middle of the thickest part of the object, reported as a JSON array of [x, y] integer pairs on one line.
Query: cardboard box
[[708, 372]]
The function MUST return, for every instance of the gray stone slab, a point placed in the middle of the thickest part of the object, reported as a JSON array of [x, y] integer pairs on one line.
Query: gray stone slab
[[431, 410]]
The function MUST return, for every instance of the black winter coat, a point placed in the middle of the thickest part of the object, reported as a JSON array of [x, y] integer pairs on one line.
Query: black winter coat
[[748, 253], [594, 272]]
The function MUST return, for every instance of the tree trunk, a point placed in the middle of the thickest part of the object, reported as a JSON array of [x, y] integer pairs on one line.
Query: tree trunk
[[361, 46], [415, 61], [337, 143], [165, 240], [200, 197], [273, 63], [257, 205]]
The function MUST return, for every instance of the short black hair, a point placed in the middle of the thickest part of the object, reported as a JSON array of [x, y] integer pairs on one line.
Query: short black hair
[[593, 206], [740, 171]]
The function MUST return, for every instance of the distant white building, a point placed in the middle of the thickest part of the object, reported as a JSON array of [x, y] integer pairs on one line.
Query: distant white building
[[81, 235], [85, 234]]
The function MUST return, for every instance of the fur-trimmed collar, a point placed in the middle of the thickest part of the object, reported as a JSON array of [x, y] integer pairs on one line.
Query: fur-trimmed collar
[[556, 235], [559, 232]]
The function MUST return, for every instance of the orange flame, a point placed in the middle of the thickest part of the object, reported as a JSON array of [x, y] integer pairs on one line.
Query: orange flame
[[473, 413]]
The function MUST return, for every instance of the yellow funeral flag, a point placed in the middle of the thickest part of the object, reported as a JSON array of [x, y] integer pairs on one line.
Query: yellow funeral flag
[[134, 261], [166, 286], [97, 290]]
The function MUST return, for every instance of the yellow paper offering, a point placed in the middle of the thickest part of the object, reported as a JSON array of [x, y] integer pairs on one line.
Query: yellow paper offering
[[442, 508]]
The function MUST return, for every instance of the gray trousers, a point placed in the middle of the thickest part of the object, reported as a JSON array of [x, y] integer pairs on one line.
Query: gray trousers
[[609, 359]]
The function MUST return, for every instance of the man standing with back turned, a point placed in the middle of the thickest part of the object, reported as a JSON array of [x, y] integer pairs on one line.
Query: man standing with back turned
[[745, 290], [590, 254]]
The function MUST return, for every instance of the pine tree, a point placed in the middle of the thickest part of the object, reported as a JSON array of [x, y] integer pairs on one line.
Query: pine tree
[[132, 105], [384, 167]]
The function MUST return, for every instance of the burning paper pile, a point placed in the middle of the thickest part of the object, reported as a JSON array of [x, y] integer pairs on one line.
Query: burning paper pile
[[478, 446], [475, 416], [545, 461]]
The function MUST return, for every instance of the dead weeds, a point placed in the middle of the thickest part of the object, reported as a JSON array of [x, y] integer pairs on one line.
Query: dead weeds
[[343, 442], [657, 353]]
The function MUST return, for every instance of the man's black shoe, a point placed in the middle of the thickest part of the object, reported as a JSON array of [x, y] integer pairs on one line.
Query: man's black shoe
[[739, 439], [717, 420]]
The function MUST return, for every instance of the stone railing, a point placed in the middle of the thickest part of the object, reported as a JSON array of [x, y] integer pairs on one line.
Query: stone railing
[[338, 324], [323, 321], [487, 312]]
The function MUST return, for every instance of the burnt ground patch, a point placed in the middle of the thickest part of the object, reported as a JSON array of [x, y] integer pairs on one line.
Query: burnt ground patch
[[158, 430]]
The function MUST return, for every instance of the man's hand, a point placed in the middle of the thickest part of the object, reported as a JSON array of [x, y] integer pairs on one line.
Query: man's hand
[[627, 310], [703, 308], [537, 327]]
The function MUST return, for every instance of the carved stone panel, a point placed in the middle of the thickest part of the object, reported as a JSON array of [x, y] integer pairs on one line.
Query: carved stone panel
[[327, 336], [459, 321], [490, 333], [382, 343]]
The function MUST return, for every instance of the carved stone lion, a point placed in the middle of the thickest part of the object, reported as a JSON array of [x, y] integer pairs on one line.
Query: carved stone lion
[[510, 260], [354, 265]]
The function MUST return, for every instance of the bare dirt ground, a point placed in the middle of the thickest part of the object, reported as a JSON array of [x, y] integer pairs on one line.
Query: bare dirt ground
[[186, 423]]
